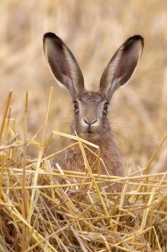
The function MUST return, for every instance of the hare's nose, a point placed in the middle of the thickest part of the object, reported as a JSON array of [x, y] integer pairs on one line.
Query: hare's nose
[[90, 122]]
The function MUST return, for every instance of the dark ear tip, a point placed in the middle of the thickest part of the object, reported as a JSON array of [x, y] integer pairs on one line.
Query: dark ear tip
[[49, 35], [139, 38]]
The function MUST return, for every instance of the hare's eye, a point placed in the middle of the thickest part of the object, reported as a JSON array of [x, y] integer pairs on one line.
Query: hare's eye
[[105, 106], [76, 105]]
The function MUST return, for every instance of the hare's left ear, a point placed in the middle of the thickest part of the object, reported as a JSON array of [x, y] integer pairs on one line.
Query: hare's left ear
[[121, 66]]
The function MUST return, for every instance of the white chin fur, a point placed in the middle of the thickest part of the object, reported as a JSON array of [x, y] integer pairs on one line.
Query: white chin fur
[[89, 136]]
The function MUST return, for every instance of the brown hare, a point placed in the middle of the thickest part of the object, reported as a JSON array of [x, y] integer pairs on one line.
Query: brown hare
[[90, 108]]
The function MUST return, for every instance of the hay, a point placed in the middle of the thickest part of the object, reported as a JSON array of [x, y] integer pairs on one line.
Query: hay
[[37, 213]]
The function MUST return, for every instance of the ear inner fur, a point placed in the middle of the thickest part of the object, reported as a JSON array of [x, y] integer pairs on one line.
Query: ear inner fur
[[121, 66]]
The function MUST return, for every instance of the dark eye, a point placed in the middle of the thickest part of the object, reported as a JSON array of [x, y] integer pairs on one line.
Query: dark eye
[[105, 106], [76, 105]]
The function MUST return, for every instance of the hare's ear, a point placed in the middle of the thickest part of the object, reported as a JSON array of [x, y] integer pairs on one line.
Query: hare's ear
[[121, 66], [63, 64]]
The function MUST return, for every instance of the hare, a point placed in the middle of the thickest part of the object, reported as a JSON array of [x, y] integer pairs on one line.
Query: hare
[[90, 108]]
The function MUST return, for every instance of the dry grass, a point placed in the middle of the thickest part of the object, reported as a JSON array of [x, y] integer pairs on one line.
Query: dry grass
[[36, 213], [40, 214], [93, 31]]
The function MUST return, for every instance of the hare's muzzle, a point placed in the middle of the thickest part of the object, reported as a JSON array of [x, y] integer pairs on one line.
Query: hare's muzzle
[[89, 127]]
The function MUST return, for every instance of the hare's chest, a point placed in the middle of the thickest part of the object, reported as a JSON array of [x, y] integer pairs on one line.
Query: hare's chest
[[73, 160]]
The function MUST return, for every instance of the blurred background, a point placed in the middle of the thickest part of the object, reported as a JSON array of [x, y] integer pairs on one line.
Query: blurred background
[[93, 30]]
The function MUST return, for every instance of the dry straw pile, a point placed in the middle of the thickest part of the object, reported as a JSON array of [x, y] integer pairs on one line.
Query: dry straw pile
[[39, 214], [36, 212]]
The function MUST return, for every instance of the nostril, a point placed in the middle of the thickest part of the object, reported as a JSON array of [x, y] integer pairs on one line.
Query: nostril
[[86, 122], [94, 121]]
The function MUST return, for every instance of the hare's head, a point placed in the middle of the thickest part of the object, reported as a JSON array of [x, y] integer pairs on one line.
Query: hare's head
[[90, 121]]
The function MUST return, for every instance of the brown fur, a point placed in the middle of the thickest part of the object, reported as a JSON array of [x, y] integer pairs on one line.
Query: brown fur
[[90, 116], [72, 160]]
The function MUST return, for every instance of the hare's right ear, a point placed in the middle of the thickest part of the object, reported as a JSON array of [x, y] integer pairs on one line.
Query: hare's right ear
[[121, 66], [63, 64]]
